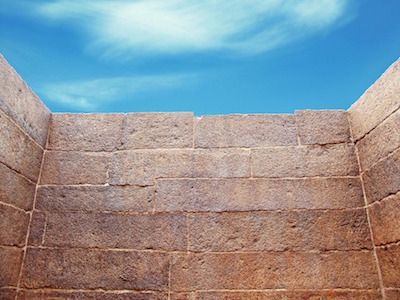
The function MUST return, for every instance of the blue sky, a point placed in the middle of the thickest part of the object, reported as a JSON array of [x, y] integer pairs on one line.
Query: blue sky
[[209, 57]]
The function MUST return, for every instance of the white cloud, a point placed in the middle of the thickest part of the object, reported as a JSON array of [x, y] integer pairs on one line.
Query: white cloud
[[91, 94], [122, 28]]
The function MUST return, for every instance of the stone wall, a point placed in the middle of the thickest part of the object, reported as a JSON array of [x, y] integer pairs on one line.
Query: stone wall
[[172, 206]]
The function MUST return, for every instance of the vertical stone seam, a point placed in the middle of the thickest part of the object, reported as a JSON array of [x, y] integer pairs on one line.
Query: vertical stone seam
[[154, 195], [193, 131], [187, 233], [367, 212], [251, 162], [45, 226], [31, 213], [169, 274], [297, 130]]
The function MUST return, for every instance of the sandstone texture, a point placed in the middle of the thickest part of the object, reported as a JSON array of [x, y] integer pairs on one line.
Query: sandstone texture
[[10, 263], [13, 226]]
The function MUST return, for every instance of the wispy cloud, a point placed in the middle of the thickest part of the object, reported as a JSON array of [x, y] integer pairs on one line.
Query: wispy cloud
[[92, 94], [122, 28]]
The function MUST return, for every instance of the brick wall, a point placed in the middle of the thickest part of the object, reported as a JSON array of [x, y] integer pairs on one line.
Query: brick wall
[[171, 206]]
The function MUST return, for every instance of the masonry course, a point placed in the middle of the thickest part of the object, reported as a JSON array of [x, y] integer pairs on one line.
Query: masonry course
[[174, 206]]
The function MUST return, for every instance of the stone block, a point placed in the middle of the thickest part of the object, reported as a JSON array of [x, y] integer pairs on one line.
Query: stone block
[[385, 220], [305, 161], [16, 189], [36, 232], [380, 142], [95, 198], [377, 103], [106, 230], [196, 195], [244, 131], [322, 127], [13, 226], [383, 179], [8, 293], [389, 261], [19, 102], [18, 151], [10, 263], [85, 132], [142, 167], [95, 269], [158, 130], [66, 168], [392, 294], [279, 270], [279, 231]]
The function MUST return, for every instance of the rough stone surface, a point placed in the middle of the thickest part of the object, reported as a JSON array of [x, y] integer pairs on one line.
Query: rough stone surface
[[322, 127], [380, 142], [85, 132], [37, 227], [385, 220], [305, 161], [10, 262], [383, 179], [143, 166], [352, 269], [95, 198], [257, 194], [94, 269], [22, 105], [279, 231], [18, 151], [65, 168], [105, 230], [392, 294], [7, 293], [158, 130], [389, 261], [13, 226], [15, 189], [377, 103], [244, 131]]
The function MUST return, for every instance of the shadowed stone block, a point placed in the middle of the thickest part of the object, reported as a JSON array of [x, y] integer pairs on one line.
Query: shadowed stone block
[[85, 132], [285, 270], [279, 231], [392, 294], [383, 179], [13, 226], [75, 168], [37, 228], [10, 263], [19, 102], [199, 195], [380, 142], [95, 198], [141, 167], [95, 269], [18, 151], [106, 230], [244, 131], [158, 130], [322, 127], [377, 103], [7, 293], [389, 261], [15, 189], [305, 161]]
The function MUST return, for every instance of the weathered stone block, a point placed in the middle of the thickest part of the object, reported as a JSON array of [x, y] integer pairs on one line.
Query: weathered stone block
[[95, 198], [22, 105], [322, 127], [244, 131], [95, 269], [10, 263], [389, 261], [383, 179], [8, 293], [305, 161], [15, 189], [85, 132], [257, 194], [75, 168], [158, 130], [18, 151], [106, 230], [279, 231], [377, 103], [141, 167], [285, 270], [13, 226], [385, 220], [392, 294], [380, 142], [36, 232]]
